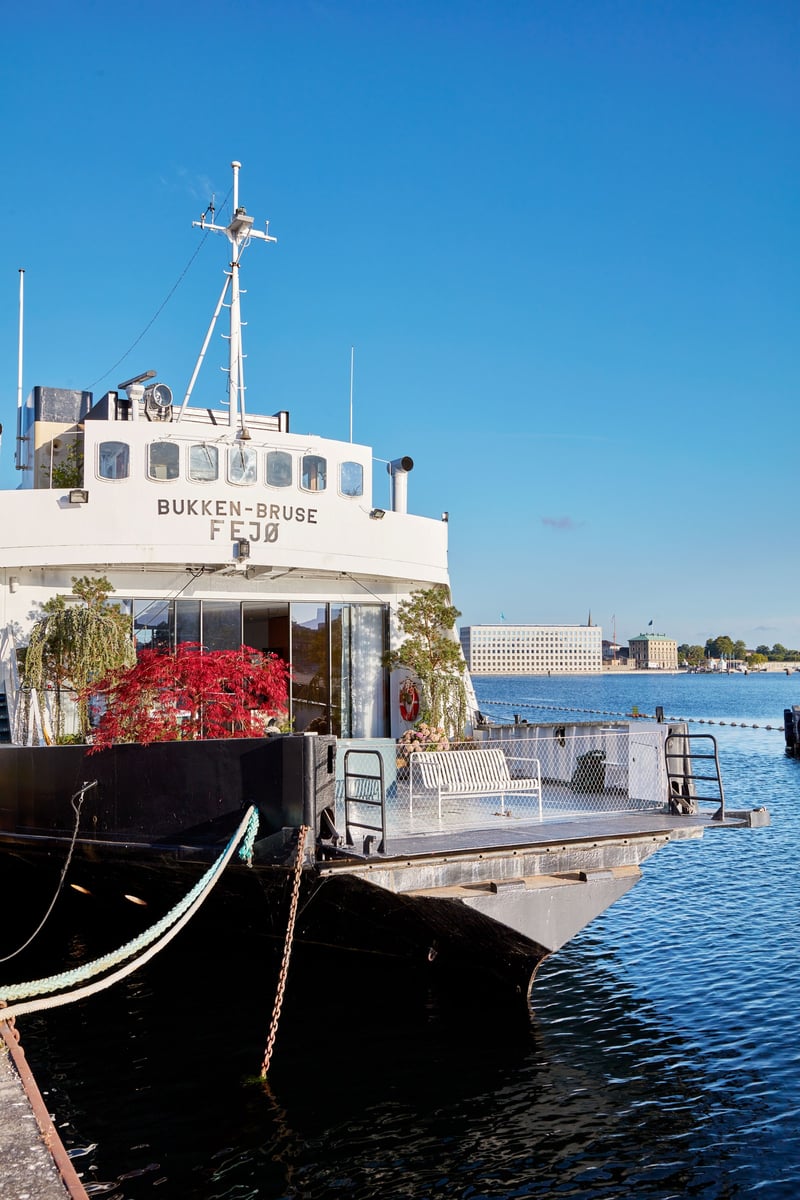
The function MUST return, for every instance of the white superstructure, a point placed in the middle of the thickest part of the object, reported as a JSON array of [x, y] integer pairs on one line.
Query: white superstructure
[[218, 526]]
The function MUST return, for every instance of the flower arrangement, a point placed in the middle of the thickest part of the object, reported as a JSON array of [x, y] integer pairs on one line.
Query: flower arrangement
[[421, 737]]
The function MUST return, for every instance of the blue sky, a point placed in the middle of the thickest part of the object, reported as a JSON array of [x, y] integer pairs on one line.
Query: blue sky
[[562, 237]]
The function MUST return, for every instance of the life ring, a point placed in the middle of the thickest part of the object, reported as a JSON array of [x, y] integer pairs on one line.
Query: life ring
[[409, 701]]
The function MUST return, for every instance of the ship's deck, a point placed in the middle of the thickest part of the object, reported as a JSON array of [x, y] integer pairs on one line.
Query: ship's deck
[[589, 827], [511, 834]]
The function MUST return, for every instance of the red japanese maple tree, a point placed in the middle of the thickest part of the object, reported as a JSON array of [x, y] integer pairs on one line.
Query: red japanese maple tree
[[190, 693]]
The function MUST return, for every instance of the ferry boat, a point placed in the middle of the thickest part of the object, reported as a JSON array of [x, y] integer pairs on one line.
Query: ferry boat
[[222, 526]]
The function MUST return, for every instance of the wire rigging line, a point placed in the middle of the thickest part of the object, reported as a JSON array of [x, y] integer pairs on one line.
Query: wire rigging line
[[77, 804], [159, 310]]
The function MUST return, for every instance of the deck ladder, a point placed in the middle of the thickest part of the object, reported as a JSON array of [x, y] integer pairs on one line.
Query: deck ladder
[[364, 790], [692, 759]]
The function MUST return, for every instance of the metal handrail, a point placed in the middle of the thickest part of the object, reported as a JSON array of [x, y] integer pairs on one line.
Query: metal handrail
[[683, 796], [365, 801]]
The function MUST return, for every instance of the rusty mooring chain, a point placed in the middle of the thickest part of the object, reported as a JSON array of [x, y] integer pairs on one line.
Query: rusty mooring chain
[[287, 950]]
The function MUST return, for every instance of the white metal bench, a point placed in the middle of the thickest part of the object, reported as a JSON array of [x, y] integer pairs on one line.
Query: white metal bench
[[470, 773]]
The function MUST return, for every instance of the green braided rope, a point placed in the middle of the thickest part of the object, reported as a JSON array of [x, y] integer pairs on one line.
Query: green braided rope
[[54, 983], [249, 840]]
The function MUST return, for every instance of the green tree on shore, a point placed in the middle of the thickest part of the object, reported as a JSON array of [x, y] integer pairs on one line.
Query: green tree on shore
[[725, 647]]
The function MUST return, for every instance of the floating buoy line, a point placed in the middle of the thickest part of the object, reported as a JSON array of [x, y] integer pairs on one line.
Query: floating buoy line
[[602, 712]]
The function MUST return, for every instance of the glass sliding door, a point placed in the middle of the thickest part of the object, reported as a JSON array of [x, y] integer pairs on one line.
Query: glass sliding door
[[222, 624], [338, 680], [187, 621], [367, 675], [151, 624], [265, 627], [340, 669], [310, 650], [338, 683]]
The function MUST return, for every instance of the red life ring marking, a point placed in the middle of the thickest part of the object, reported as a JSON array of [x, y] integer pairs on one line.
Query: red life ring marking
[[409, 702]]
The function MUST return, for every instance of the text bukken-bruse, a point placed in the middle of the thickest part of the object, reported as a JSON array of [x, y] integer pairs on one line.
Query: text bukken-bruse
[[258, 522]]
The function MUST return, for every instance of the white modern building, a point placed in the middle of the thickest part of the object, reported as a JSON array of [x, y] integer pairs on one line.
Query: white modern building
[[533, 649]]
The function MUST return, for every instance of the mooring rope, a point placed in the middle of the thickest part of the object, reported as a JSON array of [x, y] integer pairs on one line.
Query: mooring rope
[[164, 930], [287, 950], [598, 712], [77, 804]]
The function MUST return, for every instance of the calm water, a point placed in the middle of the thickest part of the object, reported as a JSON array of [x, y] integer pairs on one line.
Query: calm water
[[661, 1058]]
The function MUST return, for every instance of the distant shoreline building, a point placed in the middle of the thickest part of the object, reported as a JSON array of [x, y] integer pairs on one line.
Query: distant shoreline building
[[653, 652], [533, 649]]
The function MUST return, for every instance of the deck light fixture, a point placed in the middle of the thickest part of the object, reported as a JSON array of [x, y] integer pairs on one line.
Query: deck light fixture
[[378, 514], [243, 548], [79, 496]]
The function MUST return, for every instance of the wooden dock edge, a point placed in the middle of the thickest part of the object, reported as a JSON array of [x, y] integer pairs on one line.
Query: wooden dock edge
[[16, 1073]]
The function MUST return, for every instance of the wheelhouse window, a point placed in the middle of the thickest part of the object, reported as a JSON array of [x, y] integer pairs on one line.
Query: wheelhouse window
[[314, 475], [242, 464], [203, 463], [113, 460], [279, 468], [163, 460], [351, 479]]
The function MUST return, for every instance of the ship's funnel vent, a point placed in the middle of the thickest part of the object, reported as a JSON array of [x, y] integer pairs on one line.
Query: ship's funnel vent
[[398, 470]]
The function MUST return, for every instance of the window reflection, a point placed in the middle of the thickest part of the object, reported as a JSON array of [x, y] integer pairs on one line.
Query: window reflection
[[310, 668], [279, 468], [151, 624], [162, 460], [113, 460], [222, 624], [351, 479], [203, 463], [314, 473], [242, 464], [186, 621]]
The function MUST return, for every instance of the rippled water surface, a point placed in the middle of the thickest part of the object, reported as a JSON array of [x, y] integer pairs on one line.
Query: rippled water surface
[[661, 1057]]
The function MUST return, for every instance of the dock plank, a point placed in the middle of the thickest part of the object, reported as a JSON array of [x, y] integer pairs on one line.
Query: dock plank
[[33, 1162]]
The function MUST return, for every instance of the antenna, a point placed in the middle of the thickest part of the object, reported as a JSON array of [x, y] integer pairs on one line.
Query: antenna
[[240, 233], [18, 454], [352, 356], [19, 356]]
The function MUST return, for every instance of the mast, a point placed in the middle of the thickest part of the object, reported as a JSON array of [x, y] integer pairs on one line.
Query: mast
[[21, 324], [239, 234], [20, 465]]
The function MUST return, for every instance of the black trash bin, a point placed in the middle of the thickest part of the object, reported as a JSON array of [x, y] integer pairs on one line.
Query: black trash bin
[[590, 772]]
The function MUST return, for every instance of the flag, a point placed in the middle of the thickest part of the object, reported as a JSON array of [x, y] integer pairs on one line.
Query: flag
[[502, 616], [649, 622]]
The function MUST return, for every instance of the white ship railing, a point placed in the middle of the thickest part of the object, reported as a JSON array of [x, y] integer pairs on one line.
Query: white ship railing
[[557, 773]]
